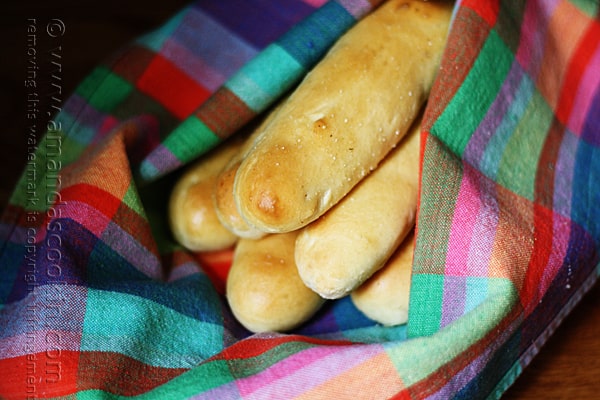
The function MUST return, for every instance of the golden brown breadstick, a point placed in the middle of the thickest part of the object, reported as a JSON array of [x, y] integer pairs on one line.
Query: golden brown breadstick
[[192, 214], [384, 297], [344, 117], [264, 290], [342, 249]]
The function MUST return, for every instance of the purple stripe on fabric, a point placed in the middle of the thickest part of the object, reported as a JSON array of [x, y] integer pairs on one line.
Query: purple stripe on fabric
[[205, 40], [161, 159], [563, 176], [356, 8], [474, 368], [196, 68], [561, 232], [477, 145], [227, 391], [130, 249], [56, 307], [183, 271], [305, 370], [38, 342], [259, 22], [591, 127], [453, 306]]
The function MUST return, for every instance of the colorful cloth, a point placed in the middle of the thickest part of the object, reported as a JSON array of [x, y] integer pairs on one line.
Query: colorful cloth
[[99, 302]]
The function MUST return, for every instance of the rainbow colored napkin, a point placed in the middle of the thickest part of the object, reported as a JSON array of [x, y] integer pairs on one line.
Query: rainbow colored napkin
[[97, 301]]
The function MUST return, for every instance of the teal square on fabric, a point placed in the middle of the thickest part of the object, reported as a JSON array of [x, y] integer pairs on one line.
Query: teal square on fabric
[[146, 330], [104, 90], [425, 305], [265, 78], [474, 97], [190, 138]]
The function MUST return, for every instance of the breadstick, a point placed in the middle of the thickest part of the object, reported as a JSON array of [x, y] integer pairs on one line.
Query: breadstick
[[192, 215], [223, 192], [384, 297], [264, 290], [342, 249], [344, 117]]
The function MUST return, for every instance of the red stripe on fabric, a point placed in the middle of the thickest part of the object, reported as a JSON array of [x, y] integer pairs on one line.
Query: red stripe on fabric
[[224, 113], [47, 374], [488, 10], [253, 347], [542, 246], [97, 198], [216, 265], [120, 374], [575, 70], [172, 87]]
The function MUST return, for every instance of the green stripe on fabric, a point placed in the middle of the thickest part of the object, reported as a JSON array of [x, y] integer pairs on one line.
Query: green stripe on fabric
[[518, 167], [473, 99], [432, 352], [590, 8], [427, 302], [137, 327], [190, 138], [244, 367], [264, 79], [104, 90], [132, 200]]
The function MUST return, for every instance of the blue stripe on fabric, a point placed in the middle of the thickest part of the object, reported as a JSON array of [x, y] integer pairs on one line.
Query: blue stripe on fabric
[[193, 296], [308, 41], [495, 149], [585, 195], [147, 331], [259, 22], [476, 291]]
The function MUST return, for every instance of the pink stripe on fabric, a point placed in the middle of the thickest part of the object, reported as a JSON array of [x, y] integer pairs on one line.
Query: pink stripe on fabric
[[301, 372], [87, 216], [480, 250], [128, 247], [315, 3], [561, 232], [533, 34], [584, 96], [463, 224], [357, 8]]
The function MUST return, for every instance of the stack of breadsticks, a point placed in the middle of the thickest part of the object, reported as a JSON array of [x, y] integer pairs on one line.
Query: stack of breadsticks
[[320, 199]]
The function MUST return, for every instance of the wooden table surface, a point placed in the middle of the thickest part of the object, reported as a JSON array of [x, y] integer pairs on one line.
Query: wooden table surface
[[567, 367]]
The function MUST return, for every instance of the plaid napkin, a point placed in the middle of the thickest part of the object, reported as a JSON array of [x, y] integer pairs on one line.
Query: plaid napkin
[[97, 301]]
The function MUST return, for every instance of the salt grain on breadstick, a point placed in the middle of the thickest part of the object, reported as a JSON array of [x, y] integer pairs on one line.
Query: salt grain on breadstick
[[344, 117], [342, 249]]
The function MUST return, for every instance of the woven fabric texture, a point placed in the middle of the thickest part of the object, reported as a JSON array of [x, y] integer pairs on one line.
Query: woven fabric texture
[[98, 301]]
